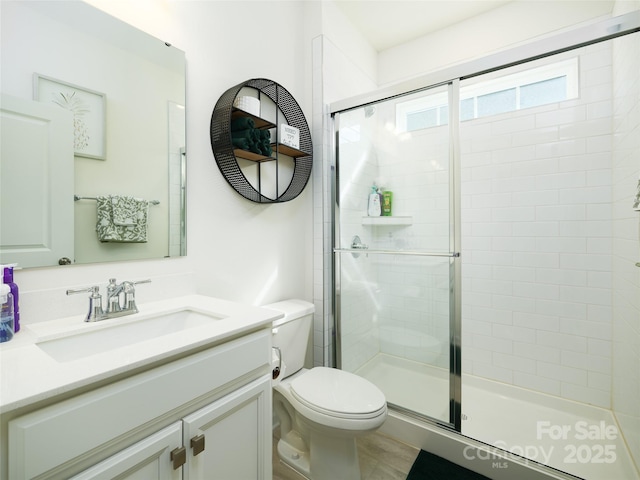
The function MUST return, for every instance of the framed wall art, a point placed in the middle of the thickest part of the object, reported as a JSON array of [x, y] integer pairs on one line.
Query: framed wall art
[[89, 112]]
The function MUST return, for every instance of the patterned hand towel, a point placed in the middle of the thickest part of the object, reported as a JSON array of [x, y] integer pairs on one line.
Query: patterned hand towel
[[127, 225], [128, 211]]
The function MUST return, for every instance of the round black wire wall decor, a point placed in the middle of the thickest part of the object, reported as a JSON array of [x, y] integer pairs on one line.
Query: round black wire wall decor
[[225, 140]]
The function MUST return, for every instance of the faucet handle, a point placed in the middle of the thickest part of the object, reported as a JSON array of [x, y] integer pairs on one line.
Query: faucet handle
[[95, 302], [95, 291], [130, 294]]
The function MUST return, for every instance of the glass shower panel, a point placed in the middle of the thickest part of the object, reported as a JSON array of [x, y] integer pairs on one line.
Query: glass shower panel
[[394, 312], [377, 146], [394, 274]]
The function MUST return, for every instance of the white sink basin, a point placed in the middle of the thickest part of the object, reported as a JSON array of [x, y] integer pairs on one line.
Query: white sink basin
[[123, 334]]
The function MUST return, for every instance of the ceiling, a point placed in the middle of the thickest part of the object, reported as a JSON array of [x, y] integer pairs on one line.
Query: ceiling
[[387, 23]]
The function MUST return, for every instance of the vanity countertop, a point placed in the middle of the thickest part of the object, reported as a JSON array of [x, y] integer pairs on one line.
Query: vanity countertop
[[28, 374]]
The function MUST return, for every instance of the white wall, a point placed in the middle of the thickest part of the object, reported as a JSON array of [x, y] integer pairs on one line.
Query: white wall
[[237, 250], [244, 251], [504, 27]]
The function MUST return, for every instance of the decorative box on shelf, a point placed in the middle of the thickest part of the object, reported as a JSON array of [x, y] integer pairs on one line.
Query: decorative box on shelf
[[289, 136]]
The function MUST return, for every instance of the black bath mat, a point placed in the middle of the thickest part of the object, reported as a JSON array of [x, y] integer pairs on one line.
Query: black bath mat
[[431, 467]]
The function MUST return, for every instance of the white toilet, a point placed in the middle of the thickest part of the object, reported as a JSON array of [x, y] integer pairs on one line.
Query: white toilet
[[321, 410]]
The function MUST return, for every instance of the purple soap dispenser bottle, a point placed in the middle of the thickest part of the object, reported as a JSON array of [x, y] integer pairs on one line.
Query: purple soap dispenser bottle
[[7, 278]]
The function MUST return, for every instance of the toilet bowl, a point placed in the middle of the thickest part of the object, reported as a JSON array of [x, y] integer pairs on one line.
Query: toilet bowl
[[321, 410]]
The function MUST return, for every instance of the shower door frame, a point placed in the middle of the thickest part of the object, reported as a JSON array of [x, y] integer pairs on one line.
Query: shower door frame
[[597, 32], [455, 286]]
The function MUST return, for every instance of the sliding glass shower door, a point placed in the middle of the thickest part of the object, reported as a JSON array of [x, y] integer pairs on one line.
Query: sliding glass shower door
[[396, 273]]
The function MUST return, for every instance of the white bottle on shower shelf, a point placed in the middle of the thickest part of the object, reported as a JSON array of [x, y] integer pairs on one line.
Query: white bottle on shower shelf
[[374, 208]]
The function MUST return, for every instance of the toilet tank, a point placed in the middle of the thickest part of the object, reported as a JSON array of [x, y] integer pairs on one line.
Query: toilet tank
[[291, 333]]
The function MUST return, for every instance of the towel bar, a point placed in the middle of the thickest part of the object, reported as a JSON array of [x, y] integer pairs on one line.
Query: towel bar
[[78, 197]]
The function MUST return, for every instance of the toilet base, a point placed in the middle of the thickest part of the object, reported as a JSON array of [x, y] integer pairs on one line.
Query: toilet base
[[329, 458], [319, 450], [296, 459]]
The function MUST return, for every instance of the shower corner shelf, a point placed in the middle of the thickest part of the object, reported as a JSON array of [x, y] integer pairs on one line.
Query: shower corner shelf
[[388, 221]]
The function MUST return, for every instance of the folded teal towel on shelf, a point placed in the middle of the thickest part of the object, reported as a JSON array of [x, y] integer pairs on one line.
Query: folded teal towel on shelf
[[250, 134], [245, 139], [255, 148], [121, 219], [242, 123], [241, 143], [265, 142], [245, 136]]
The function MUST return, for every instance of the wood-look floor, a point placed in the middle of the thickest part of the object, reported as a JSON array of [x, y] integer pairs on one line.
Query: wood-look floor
[[381, 458]]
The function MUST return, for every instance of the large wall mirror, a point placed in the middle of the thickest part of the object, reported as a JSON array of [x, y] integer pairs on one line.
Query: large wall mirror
[[91, 108]]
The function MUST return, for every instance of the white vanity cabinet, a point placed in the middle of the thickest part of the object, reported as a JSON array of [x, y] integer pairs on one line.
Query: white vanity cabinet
[[234, 434], [148, 459], [212, 408]]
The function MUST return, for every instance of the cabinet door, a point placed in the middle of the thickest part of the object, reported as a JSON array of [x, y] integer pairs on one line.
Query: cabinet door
[[149, 459], [235, 432]]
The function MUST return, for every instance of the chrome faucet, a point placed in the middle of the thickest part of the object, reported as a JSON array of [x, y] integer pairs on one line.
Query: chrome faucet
[[113, 296], [114, 307]]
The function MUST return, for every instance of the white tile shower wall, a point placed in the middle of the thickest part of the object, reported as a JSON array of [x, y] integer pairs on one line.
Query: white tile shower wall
[[536, 241], [626, 241]]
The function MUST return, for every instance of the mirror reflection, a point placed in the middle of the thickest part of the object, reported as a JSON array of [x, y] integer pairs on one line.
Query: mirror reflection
[[93, 131]]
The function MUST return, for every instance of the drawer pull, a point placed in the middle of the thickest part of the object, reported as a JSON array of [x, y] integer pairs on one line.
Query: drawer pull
[[197, 443], [178, 457]]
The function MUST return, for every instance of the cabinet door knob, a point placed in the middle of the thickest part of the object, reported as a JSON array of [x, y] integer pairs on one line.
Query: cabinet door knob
[[178, 457], [197, 443]]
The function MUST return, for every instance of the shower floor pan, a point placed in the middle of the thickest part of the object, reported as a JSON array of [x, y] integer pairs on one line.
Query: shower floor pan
[[573, 437]]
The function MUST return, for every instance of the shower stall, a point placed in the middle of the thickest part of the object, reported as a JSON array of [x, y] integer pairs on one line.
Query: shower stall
[[499, 298]]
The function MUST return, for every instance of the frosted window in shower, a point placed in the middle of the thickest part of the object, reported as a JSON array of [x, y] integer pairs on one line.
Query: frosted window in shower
[[497, 102], [467, 109], [432, 117], [421, 111], [497, 92], [423, 119], [544, 92], [494, 94]]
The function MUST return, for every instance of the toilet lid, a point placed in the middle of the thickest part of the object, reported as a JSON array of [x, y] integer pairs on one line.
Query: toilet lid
[[338, 393]]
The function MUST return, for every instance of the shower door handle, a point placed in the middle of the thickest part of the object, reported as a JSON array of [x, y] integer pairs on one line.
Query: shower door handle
[[357, 244]]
